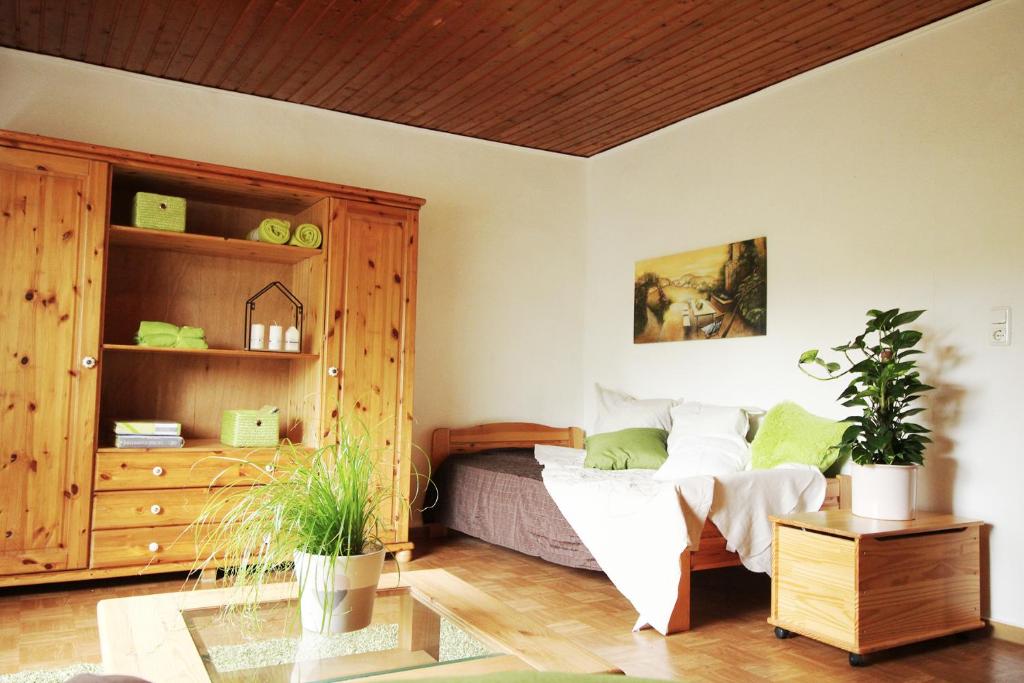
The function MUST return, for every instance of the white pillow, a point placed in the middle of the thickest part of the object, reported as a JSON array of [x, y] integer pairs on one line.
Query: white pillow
[[617, 411], [705, 440]]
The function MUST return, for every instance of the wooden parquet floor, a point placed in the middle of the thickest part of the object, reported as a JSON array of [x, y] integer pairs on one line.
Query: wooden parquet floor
[[53, 626]]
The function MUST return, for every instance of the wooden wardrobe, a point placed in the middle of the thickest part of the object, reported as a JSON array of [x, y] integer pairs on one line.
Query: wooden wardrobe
[[76, 280]]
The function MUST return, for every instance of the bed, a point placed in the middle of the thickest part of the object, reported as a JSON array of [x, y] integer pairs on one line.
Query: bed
[[494, 493]]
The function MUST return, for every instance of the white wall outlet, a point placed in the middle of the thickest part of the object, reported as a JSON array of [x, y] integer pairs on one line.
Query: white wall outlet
[[999, 332]]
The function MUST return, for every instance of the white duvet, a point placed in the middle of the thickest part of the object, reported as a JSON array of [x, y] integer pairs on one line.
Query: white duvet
[[636, 527]]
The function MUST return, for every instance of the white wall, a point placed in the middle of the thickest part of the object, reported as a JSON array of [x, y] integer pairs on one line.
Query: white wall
[[892, 178], [498, 281]]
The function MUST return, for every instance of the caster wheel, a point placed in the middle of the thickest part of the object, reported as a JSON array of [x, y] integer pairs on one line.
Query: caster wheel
[[403, 556], [857, 660], [782, 633]]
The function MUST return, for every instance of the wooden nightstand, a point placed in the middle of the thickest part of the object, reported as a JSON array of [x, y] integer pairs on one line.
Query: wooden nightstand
[[865, 585]]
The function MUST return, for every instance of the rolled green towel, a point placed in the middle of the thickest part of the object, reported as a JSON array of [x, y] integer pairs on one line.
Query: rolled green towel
[[306, 235], [272, 231]]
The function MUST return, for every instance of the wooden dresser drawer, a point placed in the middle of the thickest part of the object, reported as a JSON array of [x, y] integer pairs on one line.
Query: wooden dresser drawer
[[158, 507], [139, 547], [133, 470]]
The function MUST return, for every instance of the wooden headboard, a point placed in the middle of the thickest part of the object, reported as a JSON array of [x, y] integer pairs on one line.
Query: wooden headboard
[[484, 437]]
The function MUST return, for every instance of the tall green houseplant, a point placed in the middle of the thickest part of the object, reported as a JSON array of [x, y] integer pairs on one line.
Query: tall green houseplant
[[314, 509], [884, 384]]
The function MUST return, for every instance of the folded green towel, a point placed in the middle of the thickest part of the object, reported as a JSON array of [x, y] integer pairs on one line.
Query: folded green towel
[[168, 336], [153, 333], [272, 231], [186, 343], [306, 235]]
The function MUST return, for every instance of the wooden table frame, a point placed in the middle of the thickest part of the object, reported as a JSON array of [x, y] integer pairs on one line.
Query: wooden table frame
[[147, 636], [712, 553]]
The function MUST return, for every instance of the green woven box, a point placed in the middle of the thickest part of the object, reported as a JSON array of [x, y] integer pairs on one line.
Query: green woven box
[[158, 212], [250, 428]]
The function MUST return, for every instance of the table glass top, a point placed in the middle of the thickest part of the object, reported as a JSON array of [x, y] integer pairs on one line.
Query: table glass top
[[270, 645]]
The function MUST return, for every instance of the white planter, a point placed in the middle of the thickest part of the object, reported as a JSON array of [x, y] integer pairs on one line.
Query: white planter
[[885, 491], [337, 599]]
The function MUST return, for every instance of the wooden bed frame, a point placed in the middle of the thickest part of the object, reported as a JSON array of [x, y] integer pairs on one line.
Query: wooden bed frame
[[712, 553]]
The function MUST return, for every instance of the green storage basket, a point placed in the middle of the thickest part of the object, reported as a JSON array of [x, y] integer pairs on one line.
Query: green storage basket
[[250, 428], [158, 212]]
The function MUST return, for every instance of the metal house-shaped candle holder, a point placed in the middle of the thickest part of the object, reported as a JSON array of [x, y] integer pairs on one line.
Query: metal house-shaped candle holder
[[250, 306]]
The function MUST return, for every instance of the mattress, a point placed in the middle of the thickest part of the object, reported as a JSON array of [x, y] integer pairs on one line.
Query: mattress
[[499, 497]]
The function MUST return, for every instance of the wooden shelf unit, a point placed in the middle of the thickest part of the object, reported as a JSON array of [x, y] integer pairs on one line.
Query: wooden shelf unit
[[211, 446], [217, 353], [203, 280], [85, 281], [208, 245]]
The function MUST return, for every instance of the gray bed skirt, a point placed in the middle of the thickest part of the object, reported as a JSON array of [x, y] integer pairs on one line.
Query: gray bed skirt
[[499, 497]]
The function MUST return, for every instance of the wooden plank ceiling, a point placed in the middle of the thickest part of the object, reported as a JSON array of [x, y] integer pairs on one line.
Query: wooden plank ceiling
[[571, 76]]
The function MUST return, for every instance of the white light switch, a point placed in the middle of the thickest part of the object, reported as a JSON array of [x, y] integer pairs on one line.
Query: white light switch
[[999, 334]]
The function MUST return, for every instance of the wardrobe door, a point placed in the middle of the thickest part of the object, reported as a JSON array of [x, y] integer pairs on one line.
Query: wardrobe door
[[52, 220], [373, 282]]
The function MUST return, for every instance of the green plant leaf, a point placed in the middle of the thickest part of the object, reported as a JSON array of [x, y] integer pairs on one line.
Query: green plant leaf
[[906, 317], [911, 428], [908, 338], [809, 356], [866, 365], [849, 391]]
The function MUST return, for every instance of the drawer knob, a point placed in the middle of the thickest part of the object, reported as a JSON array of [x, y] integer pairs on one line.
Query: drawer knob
[[88, 362], [332, 371], [154, 546], [156, 509], [158, 471]]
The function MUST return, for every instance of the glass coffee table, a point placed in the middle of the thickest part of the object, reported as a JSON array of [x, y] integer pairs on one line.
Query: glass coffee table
[[425, 624]]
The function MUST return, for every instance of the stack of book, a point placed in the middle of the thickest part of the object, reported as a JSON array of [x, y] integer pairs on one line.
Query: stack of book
[[147, 434]]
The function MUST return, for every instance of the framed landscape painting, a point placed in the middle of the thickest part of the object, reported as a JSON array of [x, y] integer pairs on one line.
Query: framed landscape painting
[[711, 293]]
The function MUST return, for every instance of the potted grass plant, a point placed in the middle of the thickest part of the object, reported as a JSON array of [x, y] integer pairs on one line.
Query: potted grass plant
[[314, 510], [887, 448]]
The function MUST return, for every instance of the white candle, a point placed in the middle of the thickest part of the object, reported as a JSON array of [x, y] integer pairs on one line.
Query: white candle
[[291, 340], [256, 337], [276, 335]]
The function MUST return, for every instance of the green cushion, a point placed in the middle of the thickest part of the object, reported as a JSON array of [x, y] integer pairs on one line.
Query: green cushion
[[790, 434], [640, 448]]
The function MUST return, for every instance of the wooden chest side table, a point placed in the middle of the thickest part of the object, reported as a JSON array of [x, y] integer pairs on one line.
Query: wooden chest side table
[[865, 585]]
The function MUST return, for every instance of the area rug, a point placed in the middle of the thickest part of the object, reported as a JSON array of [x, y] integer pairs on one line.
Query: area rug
[[50, 675], [455, 644]]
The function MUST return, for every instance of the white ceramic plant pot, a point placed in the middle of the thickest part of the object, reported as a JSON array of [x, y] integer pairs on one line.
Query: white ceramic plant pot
[[885, 491], [337, 599]]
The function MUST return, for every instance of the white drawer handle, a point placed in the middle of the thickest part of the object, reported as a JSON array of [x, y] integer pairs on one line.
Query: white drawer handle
[[154, 546], [158, 471], [156, 509]]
